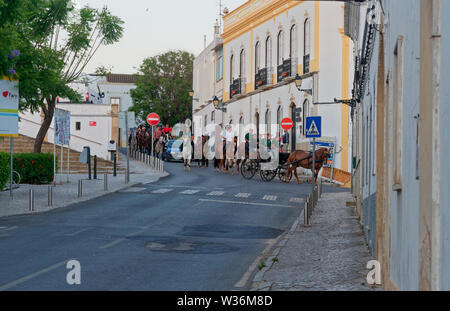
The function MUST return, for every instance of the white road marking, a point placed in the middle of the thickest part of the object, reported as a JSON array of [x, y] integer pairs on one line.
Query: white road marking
[[189, 191], [243, 195], [297, 200], [78, 232], [32, 276], [177, 186], [247, 203], [216, 193], [270, 198], [161, 191], [133, 189], [122, 239], [8, 228]]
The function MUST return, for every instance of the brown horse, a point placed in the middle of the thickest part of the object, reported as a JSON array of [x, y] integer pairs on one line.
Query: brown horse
[[305, 159]]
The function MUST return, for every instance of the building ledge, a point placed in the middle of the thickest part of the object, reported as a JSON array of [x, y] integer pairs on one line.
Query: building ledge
[[264, 88]]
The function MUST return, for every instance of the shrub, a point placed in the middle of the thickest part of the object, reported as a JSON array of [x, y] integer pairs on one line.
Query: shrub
[[34, 168], [4, 169]]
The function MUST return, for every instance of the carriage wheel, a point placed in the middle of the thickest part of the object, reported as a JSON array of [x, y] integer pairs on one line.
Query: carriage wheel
[[282, 174], [268, 175], [248, 169]]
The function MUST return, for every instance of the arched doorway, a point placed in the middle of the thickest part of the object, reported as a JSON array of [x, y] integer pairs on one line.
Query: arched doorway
[[268, 120], [257, 126], [304, 115], [241, 129], [293, 131], [279, 119]]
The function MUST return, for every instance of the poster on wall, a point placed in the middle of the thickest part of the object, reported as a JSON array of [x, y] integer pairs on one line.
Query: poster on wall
[[9, 107], [62, 127]]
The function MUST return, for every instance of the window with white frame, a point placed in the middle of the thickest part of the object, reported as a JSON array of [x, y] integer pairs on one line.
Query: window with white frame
[[293, 42], [307, 37], [268, 52], [280, 55], [219, 65], [398, 114], [257, 56], [231, 68], [242, 64]]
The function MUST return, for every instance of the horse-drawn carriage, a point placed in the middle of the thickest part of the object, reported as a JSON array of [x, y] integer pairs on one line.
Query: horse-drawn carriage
[[287, 165], [250, 167]]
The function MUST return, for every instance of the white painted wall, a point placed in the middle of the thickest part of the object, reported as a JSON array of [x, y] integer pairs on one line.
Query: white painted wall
[[96, 137]]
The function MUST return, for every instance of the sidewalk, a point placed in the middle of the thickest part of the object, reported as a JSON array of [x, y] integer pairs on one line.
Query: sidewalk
[[67, 193], [331, 255]]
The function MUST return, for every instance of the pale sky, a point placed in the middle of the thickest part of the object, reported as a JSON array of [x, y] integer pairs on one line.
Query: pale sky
[[168, 24]]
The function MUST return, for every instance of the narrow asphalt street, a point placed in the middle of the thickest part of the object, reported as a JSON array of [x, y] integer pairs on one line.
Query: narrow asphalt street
[[190, 231]]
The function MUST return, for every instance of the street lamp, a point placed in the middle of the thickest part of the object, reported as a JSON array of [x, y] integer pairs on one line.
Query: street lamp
[[218, 105], [298, 84], [191, 94]]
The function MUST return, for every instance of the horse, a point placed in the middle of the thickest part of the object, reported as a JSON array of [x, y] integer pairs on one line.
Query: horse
[[160, 144], [304, 159]]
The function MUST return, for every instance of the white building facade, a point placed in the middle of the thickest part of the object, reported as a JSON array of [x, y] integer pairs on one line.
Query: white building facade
[[266, 43]]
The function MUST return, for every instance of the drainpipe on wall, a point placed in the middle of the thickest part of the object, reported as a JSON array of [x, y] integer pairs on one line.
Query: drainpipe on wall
[[436, 207]]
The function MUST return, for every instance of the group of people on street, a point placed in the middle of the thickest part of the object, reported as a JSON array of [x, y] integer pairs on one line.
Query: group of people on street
[[141, 138], [227, 149]]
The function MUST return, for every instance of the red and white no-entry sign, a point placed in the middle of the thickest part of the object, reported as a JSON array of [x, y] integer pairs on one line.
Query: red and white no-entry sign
[[153, 119], [287, 124]]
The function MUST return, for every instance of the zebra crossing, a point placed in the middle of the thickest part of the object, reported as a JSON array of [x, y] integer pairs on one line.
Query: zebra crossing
[[215, 193]]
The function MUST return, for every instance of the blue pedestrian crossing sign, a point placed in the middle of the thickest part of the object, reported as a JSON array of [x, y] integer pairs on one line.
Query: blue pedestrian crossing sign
[[313, 127]]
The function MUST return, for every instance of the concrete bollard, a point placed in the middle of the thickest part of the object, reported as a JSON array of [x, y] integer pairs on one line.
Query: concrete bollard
[[31, 200], [50, 196], [105, 182], [80, 188]]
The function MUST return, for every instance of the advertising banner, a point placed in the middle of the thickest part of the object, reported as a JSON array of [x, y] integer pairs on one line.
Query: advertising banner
[[62, 127], [9, 107]]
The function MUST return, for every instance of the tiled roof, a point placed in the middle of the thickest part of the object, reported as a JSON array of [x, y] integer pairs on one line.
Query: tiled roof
[[121, 78]]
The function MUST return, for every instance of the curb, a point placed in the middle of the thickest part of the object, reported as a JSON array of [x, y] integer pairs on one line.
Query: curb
[[259, 277], [130, 185]]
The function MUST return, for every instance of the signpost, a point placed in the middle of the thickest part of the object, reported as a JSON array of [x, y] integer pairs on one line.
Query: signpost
[[152, 120], [314, 130], [9, 116], [62, 136], [287, 124]]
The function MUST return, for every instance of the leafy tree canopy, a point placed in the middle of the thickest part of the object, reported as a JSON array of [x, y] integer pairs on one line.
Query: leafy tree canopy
[[55, 43], [163, 85]]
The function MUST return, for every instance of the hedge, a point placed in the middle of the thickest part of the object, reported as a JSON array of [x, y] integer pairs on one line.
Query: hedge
[[34, 168], [4, 169]]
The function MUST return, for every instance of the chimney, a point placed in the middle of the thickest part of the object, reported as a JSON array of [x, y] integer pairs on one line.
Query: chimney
[[216, 29]]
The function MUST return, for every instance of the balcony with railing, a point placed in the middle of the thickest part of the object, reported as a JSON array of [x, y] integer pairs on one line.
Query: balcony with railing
[[306, 64], [284, 70], [260, 78], [236, 87]]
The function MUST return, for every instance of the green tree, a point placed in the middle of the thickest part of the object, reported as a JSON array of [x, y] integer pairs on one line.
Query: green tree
[[56, 43], [163, 85]]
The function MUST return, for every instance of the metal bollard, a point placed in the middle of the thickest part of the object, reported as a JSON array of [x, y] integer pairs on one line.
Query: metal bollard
[[105, 181], [115, 165], [31, 200], [126, 177], [80, 188], [50, 195], [95, 167]]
